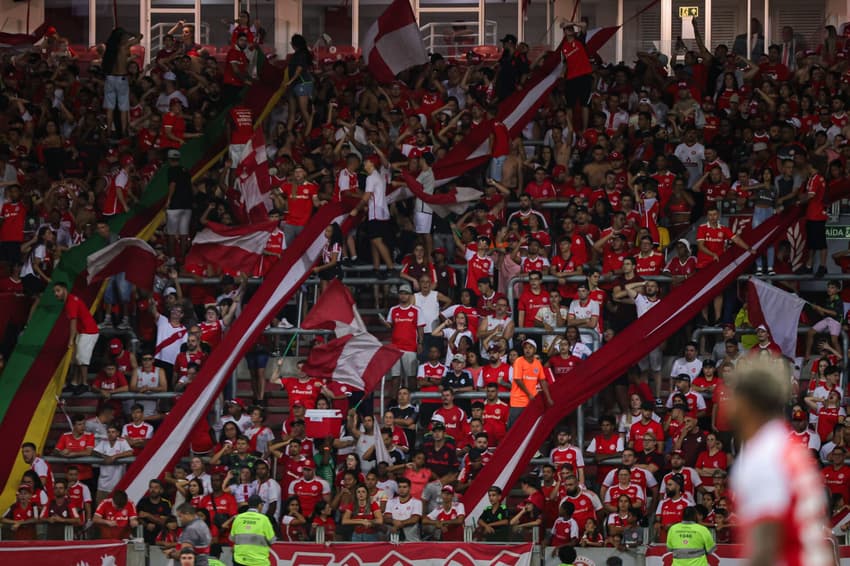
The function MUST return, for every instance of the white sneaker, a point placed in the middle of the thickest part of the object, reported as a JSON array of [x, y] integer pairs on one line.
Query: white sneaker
[[285, 324], [107, 322], [124, 324]]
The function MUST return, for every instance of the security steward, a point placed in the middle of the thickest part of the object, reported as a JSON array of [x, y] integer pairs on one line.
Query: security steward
[[690, 542], [252, 535]]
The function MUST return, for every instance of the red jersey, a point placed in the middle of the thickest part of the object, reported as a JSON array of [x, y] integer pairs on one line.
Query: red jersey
[[837, 481], [649, 265], [428, 378], [117, 188], [75, 309], [566, 265], [406, 322], [181, 363], [584, 508], [346, 181], [235, 57], [178, 130], [677, 267], [499, 374], [477, 267], [528, 264], [73, 444], [107, 510], [19, 513], [309, 493], [243, 124], [224, 503], [714, 238], [530, 303], [564, 531], [815, 207], [665, 186], [670, 512], [613, 261], [569, 456], [638, 430], [143, 431], [543, 190], [14, 215], [211, 332], [79, 495], [578, 63], [302, 392], [455, 419], [495, 419], [634, 492], [299, 202]]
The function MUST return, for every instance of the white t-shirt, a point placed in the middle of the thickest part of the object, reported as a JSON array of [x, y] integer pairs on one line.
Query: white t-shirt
[[547, 316], [163, 331], [111, 474], [643, 304], [692, 157], [377, 186], [403, 511], [269, 492], [681, 365], [586, 311]]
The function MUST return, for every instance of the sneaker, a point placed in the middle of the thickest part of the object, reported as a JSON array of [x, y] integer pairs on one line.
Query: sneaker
[[821, 271], [107, 322], [770, 271], [804, 270], [124, 324], [69, 388], [759, 270], [80, 389], [346, 262], [285, 324]]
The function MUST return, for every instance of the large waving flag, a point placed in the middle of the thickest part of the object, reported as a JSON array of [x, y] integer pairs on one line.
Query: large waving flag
[[455, 201], [253, 179], [393, 43], [514, 112], [278, 286], [132, 256], [23, 41], [537, 421], [41, 358], [778, 310], [237, 247], [354, 357], [597, 37]]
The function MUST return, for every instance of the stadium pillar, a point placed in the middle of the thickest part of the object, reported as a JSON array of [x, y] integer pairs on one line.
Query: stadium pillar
[[287, 22]]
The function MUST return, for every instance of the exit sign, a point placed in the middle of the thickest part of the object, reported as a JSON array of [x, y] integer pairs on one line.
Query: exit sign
[[688, 12], [838, 232]]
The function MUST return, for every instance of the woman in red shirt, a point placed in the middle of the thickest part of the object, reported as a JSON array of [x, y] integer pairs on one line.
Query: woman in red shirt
[[293, 524], [364, 514], [323, 517]]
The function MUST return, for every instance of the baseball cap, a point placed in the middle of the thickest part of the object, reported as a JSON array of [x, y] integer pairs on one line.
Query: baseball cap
[[683, 377], [297, 403], [115, 345], [439, 251], [169, 291], [615, 156], [126, 160], [558, 169], [647, 405], [458, 358], [375, 160], [475, 454], [169, 76], [404, 288], [237, 401], [677, 453], [530, 342], [448, 489], [759, 146], [684, 242], [309, 463], [173, 154], [762, 327], [508, 37], [798, 415], [25, 487]]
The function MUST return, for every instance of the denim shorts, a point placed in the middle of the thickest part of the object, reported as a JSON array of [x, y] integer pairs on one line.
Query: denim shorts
[[303, 89], [116, 92], [118, 290]]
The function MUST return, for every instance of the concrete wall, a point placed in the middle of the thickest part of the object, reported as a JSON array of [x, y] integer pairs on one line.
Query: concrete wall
[[13, 15]]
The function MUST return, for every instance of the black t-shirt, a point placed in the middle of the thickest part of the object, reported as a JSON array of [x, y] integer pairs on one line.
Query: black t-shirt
[[442, 461], [182, 198], [301, 58], [409, 412], [490, 515], [162, 508]]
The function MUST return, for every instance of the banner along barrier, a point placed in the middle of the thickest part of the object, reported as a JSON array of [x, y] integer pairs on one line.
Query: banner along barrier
[[725, 555], [60, 553], [406, 554]]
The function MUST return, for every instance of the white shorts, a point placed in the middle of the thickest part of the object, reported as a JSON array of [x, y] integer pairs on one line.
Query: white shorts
[[177, 221], [652, 361], [828, 325], [235, 152], [85, 346], [406, 365], [422, 222]]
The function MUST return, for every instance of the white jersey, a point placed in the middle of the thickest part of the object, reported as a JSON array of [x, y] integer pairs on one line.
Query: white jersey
[[429, 309], [692, 368], [776, 479], [643, 304], [164, 331], [403, 511]]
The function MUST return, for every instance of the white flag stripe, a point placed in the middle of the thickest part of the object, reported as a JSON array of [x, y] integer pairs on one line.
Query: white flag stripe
[[505, 475], [101, 258], [160, 459], [253, 242], [402, 48], [781, 311]]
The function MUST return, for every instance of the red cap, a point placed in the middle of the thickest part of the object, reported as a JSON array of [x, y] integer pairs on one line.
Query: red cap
[[439, 251], [375, 159], [297, 403], [25, 487], [126, 159], [677, 453], [237, 401], [309, 463], [115, 346], [448, 489], [558, 169], [615, 156], [683, 84]]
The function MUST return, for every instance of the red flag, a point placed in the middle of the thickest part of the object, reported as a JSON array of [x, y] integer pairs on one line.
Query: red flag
[[778, 310], [23, 41], [277, 288], [394, 43], [131, 256], [335, 307], [514, 112], [237, 247], [597, 37], [253, 179], [537, 421], [357, 360]]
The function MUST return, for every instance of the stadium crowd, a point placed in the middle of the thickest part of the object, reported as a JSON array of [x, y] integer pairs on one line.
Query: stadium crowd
[[605, 190]]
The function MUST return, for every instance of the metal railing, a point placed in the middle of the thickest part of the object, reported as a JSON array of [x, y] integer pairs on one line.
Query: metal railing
[[439, 37], [160, 31]]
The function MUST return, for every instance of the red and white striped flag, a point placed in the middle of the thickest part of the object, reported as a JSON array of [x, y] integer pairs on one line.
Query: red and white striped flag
[[776, 309], [354, 357], [133, 257], [597, 37], [393, 43], [237, 247], [277, 288], [514, 112], [443, 204], [23, 41], [253, 180]]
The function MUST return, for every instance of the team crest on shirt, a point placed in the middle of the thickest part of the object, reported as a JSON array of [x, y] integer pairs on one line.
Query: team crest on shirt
[[499, 412], [313, 488]]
